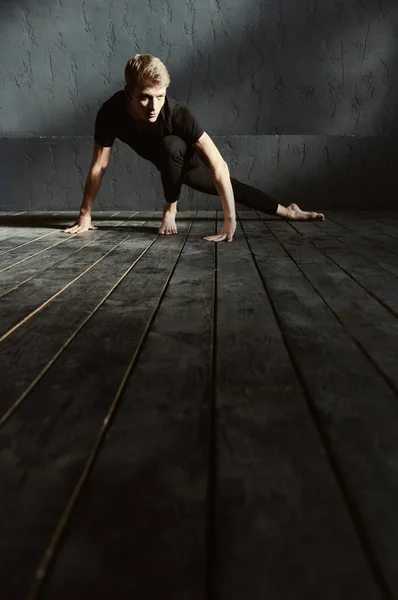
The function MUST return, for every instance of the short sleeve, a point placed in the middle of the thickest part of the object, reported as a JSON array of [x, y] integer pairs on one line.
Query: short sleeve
[[104, 133], [186, 125]]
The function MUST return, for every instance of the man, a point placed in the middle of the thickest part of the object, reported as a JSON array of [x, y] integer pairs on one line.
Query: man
[[164, 131]]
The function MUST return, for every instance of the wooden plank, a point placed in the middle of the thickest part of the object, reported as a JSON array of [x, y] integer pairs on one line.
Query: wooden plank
[[40, 335], [355, 410], [99, 218], [360, 223], [361, 233], [17, 255], [247, 215], [37, 245], [26, 233], [373, 223], [26, 270], [27, 299], [353, 242], [381, 284], [27, 219], [45, 221], [280, 515], [382, 218], [160, 435], [50, 438], [12, 242], [373, 327], [369, 229]]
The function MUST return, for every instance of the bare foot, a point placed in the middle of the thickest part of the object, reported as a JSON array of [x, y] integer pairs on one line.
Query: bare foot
[[296, 214], [168, 226]]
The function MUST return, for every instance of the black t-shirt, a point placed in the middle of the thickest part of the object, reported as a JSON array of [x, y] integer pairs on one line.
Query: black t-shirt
[[113, 121]]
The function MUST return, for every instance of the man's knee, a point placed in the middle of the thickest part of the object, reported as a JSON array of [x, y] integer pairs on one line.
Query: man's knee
[[174, 146]]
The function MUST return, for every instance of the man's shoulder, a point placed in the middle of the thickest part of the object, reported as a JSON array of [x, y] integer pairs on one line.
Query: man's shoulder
[[172, 102], [114, 102], [178, 110]]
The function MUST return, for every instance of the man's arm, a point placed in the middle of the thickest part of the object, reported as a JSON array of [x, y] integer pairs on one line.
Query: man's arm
[[100, 160], [219, 168]]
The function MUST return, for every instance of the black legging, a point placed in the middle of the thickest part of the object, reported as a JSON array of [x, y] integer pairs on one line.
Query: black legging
[[178, 165]]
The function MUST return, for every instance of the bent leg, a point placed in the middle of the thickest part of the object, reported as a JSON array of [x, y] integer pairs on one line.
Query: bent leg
[[173, 157]]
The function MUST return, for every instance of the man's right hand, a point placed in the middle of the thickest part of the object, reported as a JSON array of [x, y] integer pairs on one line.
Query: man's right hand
[[83, 223]]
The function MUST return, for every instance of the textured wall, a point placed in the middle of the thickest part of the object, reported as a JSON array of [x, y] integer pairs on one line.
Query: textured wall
[[306, 68]]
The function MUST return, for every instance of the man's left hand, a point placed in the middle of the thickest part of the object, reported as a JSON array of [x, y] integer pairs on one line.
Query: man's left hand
[[226, 233]]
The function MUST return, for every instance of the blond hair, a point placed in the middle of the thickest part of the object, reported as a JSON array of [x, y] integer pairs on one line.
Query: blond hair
[[143, 69]]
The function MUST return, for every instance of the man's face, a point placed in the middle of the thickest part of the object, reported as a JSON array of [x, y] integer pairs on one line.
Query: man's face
[[146, 102]]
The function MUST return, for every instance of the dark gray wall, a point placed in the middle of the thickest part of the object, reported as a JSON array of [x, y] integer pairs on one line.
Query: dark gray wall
[[299, 95]]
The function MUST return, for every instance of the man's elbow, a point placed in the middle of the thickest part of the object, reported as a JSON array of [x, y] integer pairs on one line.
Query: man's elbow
[[221, 171], [98, 170]]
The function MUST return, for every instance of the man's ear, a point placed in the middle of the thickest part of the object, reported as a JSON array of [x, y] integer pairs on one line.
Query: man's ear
[[128, 90]]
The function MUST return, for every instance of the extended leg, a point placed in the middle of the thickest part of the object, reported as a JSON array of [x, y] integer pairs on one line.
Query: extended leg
[[199, 178]]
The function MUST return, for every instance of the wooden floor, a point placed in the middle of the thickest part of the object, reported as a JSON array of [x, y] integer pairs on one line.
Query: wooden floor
[[189, 421]]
